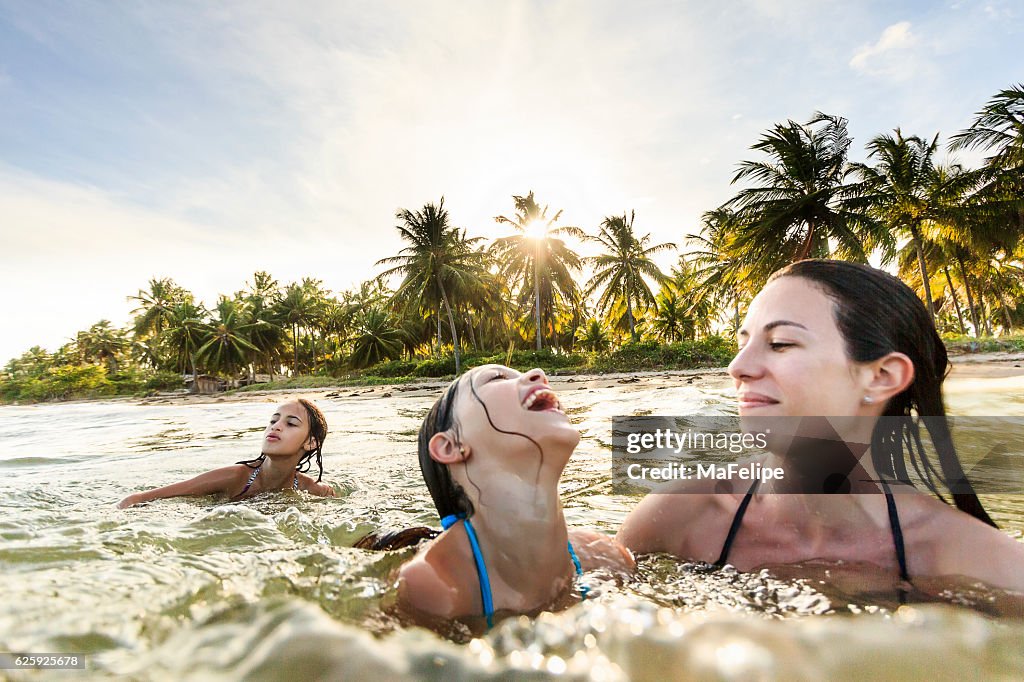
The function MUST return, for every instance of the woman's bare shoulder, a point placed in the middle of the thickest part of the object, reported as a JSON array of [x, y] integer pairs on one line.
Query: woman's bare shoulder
[[679, 521], [942, 540]]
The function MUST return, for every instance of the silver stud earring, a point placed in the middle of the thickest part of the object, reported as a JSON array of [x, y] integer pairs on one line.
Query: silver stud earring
[[462, 450], [867, 400]]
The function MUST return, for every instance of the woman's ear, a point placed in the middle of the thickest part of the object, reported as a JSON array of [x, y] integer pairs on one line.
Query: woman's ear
[[891, 374], [444, 449], [311, 444]]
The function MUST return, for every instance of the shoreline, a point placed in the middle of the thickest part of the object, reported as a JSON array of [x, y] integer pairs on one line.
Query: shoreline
[[968, 370], [973, 372]]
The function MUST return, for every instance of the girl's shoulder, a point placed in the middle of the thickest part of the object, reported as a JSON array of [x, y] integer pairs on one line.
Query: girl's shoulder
[[435, 582], [310, 485]]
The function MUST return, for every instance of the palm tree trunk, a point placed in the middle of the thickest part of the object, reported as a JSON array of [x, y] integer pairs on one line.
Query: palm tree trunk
[[472, 334], [451, 322], [924, 272], [536, 294], [970, 297], [1006, 311], [736, 301], [438, 354], [295, 349], [956, 303], [629, 314], [195, 375], [808, 244]]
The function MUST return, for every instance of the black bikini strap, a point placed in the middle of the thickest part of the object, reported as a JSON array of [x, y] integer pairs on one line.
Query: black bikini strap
[[737, 520], [897, 532]]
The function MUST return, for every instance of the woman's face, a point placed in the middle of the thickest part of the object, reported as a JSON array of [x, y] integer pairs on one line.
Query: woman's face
[[288, 430], [792, 358], [517, 403]]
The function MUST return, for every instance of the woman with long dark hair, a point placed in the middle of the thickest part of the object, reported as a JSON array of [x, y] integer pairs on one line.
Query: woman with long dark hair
[[293, 439], [831, 339], [491, 450]]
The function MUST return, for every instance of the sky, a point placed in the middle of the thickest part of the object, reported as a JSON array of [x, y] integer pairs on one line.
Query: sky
[[205, 141]]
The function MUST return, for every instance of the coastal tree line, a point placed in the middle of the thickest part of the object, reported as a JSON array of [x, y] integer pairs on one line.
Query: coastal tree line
[[952, 232]]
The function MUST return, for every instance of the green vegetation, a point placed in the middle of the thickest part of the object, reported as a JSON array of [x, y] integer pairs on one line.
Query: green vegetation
[[952, 233]]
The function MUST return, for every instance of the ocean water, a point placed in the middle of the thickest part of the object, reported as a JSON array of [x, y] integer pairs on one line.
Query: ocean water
[[270, 588]]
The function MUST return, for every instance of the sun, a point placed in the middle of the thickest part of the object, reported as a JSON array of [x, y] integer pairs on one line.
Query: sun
[[536, 229]]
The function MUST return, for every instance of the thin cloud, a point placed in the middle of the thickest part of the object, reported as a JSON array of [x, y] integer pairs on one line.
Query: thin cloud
[[891, 55]]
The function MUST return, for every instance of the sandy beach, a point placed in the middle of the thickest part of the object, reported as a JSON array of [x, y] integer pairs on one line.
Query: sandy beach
[[972, 372]]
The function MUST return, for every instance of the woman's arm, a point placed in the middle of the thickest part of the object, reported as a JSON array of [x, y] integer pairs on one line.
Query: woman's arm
[[223, 480]]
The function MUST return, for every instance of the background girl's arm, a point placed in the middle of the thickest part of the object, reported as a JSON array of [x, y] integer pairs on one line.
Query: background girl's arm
[[223, 480]]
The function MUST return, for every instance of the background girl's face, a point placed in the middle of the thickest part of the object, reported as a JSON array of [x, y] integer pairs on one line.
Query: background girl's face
[[519, 403], [288, 430], [792, 358]]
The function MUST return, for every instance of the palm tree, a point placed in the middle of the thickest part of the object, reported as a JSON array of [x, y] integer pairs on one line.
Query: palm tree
[[296, 308], [724, 276], [155, 306], [680, 313], [620, 271], [262, 300], [593, 337], [901, 190], [102, 343], [799, 202], [437, 260], [185, 334], [227, 346], [538, 259], [376, 338], [998, 128]]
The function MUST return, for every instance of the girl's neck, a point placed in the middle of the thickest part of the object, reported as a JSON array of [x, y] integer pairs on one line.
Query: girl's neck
[[522, 534], [278, 472]]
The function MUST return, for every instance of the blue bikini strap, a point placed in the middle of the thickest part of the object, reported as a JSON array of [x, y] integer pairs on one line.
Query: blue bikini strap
[[584, 590], [478, 557], [481, 567]]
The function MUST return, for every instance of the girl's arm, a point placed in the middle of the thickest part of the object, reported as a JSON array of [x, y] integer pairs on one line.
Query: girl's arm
[[597, 550], [223, 480]]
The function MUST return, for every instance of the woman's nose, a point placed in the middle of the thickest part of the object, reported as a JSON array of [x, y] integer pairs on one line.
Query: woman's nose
[[536, 374], [745, 364]]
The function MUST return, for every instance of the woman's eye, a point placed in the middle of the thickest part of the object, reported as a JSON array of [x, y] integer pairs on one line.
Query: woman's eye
[[779, 345], [497, 375]]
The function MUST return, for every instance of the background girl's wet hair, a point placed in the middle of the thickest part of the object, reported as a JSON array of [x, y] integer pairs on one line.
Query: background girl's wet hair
[[317, 429], [877, 314]]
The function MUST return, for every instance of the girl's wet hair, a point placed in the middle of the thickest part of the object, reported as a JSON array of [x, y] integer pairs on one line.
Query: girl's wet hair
[[448, 496], [317, 429], [877, 314]]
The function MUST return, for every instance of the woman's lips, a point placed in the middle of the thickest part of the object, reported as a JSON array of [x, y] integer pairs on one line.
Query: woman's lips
[[754, 400], [273, 437]]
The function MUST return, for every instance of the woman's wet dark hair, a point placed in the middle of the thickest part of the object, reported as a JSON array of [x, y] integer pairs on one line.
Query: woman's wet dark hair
[[877, 314], [317, 429], [448, 496]]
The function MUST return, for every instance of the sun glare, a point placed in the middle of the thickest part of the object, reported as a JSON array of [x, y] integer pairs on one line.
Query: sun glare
[[537, 229]]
